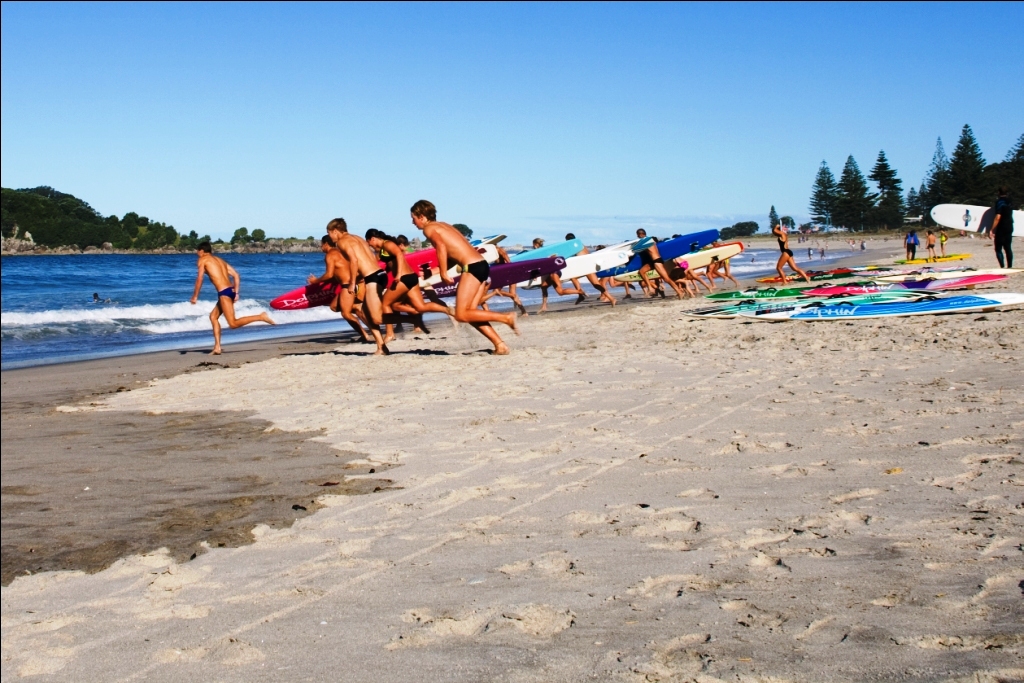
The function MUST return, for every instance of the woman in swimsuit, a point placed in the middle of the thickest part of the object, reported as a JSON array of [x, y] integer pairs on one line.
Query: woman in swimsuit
[[786, 258], [405, 288]]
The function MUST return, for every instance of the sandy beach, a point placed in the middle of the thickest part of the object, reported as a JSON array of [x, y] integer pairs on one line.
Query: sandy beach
[[632, 495]]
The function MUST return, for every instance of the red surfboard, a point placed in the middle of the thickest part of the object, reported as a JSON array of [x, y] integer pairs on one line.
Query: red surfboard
[[319, 294]]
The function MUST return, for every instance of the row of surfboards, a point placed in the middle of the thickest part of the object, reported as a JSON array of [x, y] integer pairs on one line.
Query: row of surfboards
[[620, 261], [892, 295]]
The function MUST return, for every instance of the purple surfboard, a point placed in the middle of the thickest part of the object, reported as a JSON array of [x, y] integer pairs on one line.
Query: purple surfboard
[[505, 274]]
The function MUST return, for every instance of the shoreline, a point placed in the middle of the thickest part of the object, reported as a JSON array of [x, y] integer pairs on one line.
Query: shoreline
[[641, 496]]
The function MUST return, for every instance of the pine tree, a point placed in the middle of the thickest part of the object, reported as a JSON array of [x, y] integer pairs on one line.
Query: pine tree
[[966, 171], [1008, 173], [823, 196], [773, 218], [935, 188], [889, 208], [854, 202], [913, 203]]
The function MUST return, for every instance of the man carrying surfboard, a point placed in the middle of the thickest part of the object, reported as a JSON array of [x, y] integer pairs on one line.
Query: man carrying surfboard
[[451, 244], [591, 278], [339, 272], [786, 258], [227, 282], [363, 262]]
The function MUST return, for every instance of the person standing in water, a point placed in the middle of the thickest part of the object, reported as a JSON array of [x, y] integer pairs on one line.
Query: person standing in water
[[338, 272], [786, 258], [363, 262], [452, 244], [227, 283], [1002, 229]]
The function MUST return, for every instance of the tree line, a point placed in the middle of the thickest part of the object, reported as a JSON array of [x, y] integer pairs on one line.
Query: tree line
[[964, 178]]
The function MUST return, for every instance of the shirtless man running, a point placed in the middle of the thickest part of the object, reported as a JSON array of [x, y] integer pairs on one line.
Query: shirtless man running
[[591, 278], [363, 262], [553, 280], [222, 275], [451, 244], [339, 272]]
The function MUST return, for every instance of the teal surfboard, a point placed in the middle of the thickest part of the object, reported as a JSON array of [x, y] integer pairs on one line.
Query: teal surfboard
[[563, 249]]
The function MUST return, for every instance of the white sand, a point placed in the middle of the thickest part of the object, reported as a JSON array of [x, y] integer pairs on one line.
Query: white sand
[[632, 495]]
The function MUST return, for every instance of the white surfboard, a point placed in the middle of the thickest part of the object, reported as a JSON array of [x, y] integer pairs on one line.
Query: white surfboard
[[947, 274], [937, 306], [488, 251], [971, 218], [585, 264], [696, 259]]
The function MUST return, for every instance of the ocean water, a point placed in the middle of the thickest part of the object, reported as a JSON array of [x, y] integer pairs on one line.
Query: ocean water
[[47, 314]]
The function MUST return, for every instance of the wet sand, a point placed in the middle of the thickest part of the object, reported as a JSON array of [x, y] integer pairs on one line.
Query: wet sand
[[633, 495]]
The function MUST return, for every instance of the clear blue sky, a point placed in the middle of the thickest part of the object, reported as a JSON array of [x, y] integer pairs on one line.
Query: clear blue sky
[[528, 119]]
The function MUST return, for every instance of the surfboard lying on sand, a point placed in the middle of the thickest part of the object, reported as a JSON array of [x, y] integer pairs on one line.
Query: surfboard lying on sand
[[669, 249], [947, 274], [920, 285], [767, 293], [970, 217], [563, 249], [834, 274], [939, 259], [926, 306], [731, 310], [319, 294], [505, 274], [694, 259]]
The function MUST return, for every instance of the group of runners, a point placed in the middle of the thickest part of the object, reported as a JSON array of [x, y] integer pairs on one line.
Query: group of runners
[[373, 307]]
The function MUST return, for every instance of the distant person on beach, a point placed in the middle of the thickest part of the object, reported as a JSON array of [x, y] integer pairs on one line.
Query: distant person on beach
[[864, 246], [786, 257], [451, 244], [363, 262], [1002, 229], [943, 238], [650, 259], [810, 253], [339, 272], [911, 242], [227, 283], [930, 244]]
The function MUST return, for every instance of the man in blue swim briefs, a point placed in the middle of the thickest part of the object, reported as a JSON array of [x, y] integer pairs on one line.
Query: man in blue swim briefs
[[222, 275]]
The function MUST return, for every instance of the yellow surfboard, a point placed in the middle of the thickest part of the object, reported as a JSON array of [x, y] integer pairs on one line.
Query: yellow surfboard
[[940, 259]]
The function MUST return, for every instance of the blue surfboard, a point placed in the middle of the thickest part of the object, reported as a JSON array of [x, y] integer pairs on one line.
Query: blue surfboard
[[669, 249], [563, 249]]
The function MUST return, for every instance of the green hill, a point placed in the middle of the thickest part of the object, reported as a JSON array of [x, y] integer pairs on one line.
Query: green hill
[[57, 219]]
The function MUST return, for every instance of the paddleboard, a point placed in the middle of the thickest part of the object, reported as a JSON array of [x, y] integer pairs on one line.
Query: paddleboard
[[834, 274], [955, 304], [947, 274], [971, 218], [920, 285], [493, 239], [760, 307], [563, 249], [940, 259], [505, 274], [669, 249], [768, 293], [696, 259], [319, 294]]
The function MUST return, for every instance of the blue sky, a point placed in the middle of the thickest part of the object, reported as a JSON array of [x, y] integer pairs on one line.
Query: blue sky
[[527, 119]]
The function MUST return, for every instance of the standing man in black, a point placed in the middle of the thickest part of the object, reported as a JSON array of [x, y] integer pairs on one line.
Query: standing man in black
[[1002, 229]]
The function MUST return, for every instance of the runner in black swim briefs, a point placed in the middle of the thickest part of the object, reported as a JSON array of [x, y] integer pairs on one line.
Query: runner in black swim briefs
[[363, 261], [229, 292], [452, 244], [404, 295]]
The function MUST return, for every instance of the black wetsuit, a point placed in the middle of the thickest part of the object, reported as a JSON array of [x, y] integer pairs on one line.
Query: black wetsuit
[[1004, 232]]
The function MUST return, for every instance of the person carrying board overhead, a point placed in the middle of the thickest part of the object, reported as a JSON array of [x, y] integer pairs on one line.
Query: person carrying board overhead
[[338, 272], [786, 258], [227, 282], [1002, 228], [364, 265], [451, 244]]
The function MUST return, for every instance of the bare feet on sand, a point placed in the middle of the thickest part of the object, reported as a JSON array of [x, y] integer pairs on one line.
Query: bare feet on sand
[[514, 323], [580, 299], [501, 350]]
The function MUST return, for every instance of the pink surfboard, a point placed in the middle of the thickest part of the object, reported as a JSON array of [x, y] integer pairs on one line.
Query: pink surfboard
[[319, 294], [925, 285]]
